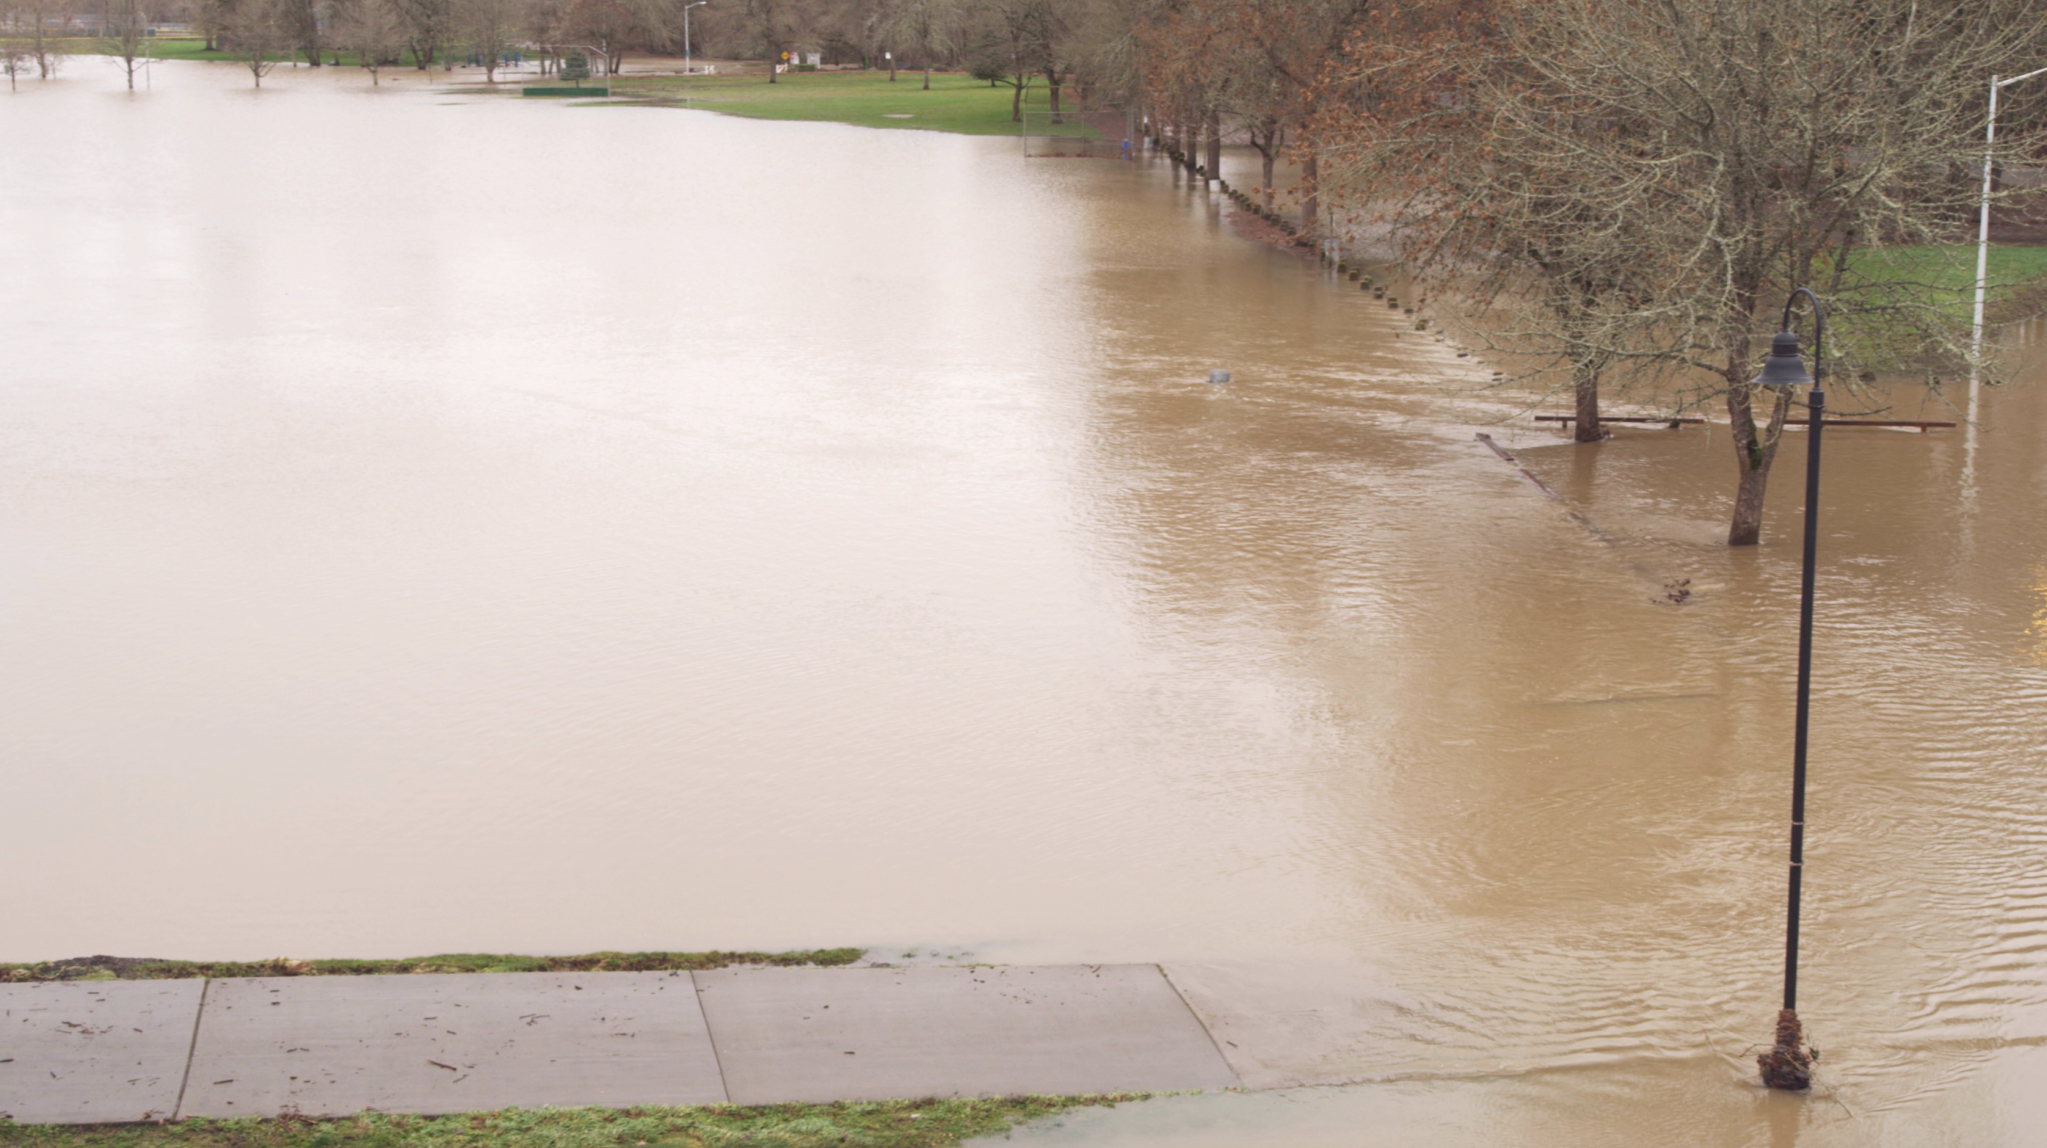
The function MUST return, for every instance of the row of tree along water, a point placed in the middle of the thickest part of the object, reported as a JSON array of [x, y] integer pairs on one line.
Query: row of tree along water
[[1628, 191], [1625, 193]]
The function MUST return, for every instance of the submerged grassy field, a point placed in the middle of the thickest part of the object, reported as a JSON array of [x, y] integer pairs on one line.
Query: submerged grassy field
[[194, 48], [955, 103], [148, 969], [877, 1124]]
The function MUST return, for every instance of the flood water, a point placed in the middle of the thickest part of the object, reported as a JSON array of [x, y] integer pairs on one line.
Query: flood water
[[435, 522]]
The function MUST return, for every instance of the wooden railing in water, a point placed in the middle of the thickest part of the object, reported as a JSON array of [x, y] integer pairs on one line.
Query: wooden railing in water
[[1675, 421]]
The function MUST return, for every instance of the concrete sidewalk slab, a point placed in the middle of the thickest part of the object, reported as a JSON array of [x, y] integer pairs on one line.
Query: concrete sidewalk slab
[[88, 1052], [331, 1046], [881, 1033], [1287, 1026]]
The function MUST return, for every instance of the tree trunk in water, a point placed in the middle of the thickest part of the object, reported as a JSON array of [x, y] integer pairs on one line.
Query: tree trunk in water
[[1586, 384], [1311, 206], [1215, 144], [1265, 171], [1754, 449]]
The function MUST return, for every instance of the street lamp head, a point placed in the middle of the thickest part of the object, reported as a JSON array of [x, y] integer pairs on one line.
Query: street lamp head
[[1786, 366]]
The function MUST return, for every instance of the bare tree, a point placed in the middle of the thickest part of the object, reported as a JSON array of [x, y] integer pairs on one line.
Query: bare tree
[[613, 26], [878, 30], [301, 20], [1050, 27], [929, 27], [490, 28], [1264, 63], [14, 50], [772, 26], [1652, 179], [210, 16], [257, 29], [547, 26], [374, 30], [43, 23], [124, 34], [428, 28], [1004, 50]]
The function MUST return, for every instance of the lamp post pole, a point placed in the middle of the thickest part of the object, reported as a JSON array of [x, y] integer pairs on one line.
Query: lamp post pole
[[1788, 1064], [1983, 211], [686, 69]]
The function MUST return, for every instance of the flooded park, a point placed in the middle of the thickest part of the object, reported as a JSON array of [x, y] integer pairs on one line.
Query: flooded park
[[443, 522]]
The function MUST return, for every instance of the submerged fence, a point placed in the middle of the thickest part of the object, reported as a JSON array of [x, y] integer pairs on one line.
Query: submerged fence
[[1098, 131]]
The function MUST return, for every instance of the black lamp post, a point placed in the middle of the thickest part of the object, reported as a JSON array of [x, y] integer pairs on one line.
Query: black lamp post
[[1788, 1064]]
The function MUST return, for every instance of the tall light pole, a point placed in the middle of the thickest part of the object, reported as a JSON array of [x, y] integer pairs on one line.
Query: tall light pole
[[685, 33], [1788, 1065], [1983, 215]]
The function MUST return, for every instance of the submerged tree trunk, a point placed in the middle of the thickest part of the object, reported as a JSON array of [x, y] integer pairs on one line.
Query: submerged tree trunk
[[1215, 144], [1754, 450], [1311, 203], [1268, 152], [1585, 384]]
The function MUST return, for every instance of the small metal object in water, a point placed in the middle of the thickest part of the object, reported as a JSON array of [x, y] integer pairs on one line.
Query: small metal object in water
[[1218, 376]]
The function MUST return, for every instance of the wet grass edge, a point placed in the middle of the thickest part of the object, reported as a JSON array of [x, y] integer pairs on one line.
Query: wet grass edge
[[926, 1123], [105, 968]]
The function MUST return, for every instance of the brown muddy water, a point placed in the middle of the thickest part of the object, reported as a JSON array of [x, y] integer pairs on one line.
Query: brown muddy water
[[437, 522]]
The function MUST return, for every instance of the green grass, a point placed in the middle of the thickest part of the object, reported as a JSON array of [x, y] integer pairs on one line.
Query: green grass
[[955, 103], [1947, 273], [194, 48], [1907, 308], [123, 968], [877, 1124]]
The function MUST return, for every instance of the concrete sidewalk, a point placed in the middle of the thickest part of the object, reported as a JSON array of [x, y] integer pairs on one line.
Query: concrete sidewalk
[[112, 1051]]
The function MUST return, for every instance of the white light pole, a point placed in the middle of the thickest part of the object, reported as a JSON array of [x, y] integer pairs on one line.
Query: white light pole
[[685, 33], [1983, 218]]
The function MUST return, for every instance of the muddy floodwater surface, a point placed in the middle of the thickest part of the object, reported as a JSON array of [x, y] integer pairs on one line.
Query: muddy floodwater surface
[[441, 522]]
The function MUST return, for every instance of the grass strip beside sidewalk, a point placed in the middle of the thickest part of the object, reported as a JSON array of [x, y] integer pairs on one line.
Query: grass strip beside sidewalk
[[852, 1124], [153, 969]]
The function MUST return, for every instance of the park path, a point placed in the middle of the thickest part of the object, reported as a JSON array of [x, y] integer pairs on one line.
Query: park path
[[113, 1051]]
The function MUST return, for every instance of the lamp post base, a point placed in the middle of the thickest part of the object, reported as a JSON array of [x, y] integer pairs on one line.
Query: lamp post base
[[1788, 1066]]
